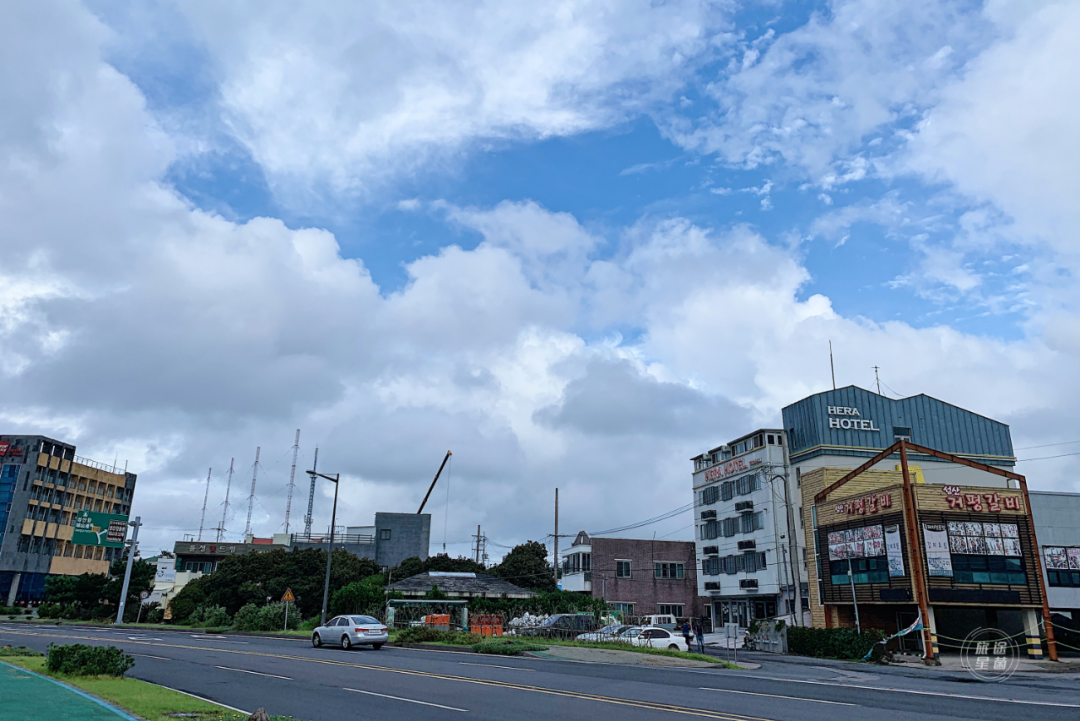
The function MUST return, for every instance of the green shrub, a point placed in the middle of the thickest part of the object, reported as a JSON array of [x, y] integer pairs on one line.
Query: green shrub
[[210, 617], [425, 634], [82, 660], [247, 618], [8, 610], [49, 610], [272, 617], [156, 615], [311, 624], [507, 647], [843, 643]]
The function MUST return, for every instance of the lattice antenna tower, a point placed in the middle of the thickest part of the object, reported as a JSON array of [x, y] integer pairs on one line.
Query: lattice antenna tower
[[292, 479], [225, 511], [311, 495], [251, 497], [206, 497]]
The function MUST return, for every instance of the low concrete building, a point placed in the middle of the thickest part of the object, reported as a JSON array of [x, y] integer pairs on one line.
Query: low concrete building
[[393, 538], [459, 586], [637, 577], [1057, 527]]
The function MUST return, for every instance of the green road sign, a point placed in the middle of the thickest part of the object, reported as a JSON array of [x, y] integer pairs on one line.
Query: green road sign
[[99, 529]]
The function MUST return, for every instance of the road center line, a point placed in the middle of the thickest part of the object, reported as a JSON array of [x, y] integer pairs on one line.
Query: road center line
[[492, 665], [407, 700], [773, 695], [633, 703], [912, 691], [146, 655], [256, 673]]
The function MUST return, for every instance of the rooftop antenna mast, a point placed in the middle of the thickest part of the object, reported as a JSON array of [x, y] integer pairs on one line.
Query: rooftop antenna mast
[[292, 478], [877, 380], [311, 495], [832, 367], [206, 496], [228, 484], [251, 498]]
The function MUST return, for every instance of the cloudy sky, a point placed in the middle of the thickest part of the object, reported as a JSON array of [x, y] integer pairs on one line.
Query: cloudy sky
[[577, 243]]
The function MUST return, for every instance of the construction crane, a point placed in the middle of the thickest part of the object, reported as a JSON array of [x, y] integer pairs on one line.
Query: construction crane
[[433, 482]]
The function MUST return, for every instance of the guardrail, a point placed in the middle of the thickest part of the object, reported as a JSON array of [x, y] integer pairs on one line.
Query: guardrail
[[98, 465]]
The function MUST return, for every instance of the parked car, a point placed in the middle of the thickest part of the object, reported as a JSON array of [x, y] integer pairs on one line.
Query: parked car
[[349, 631], [563, 625], [660, 621], [607, 633], [659, 638]]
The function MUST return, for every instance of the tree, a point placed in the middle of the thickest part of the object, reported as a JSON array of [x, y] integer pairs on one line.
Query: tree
[[440, 562], [527, 566], [367, 597]]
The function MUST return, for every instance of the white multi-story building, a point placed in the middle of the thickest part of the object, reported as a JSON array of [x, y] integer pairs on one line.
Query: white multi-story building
[[746, 530]]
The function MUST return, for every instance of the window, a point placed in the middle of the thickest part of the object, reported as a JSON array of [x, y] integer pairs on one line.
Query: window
[[747, 484], [727, 490], [622, 569], [761, 561], [624, 608], [729, 527], [864, 570], [728, 564], [710, 566], [668, 570], [710, 530], [1062, 578], [384, 534], [710, 495], [671, 609], [988, 569]]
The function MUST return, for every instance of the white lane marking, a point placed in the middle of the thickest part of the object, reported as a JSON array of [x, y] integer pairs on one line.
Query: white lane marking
[[208, 637], [492, 665], [201, 698], [912, 691], [407, 700], [256, 673], [773, 695], [146, 655], [144, 638]]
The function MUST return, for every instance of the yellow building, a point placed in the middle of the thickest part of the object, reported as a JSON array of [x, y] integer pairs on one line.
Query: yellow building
[[47, 485]]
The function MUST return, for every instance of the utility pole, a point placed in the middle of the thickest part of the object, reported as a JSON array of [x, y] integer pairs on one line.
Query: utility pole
[[251, 497], [556, 537], [225, 512], [478, 543], [330, 544], [292, 477], [127, 572], [877, 380], [206, 497], [311, 496], [832, 367]]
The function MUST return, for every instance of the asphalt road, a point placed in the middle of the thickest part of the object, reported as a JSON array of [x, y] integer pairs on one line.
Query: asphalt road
[[290, 677]]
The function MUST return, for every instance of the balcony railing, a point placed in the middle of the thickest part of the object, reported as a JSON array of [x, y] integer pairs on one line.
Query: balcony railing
[[345, 538]]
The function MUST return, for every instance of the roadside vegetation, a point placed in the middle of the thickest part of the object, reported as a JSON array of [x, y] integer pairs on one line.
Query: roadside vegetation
[[139, 698]]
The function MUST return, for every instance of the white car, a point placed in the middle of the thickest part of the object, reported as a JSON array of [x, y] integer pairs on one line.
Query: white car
[[349, 631], [659, 638]]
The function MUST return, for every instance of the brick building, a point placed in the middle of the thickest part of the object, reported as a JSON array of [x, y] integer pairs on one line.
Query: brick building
[[635, 576]]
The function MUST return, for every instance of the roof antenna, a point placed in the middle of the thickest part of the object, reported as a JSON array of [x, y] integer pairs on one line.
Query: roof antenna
[[877, 380], [832, 367]]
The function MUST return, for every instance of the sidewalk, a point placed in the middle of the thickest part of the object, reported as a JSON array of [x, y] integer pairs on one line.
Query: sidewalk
[[30, 697]]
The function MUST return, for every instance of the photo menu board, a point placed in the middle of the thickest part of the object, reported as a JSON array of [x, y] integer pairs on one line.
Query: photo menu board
[[1060, 558], [984, 539], [864, 542]]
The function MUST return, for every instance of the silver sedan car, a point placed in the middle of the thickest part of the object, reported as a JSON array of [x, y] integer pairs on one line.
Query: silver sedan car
[[349, 631]]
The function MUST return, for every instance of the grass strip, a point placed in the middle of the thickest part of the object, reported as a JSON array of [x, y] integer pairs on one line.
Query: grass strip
[[138, 698], [507, 647]]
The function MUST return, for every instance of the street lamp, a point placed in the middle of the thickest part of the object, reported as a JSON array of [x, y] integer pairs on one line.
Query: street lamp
[[330, 546]]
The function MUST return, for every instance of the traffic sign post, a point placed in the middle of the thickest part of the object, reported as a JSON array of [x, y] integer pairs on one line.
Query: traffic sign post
[[142, 599], [287, 599], [127, 573]]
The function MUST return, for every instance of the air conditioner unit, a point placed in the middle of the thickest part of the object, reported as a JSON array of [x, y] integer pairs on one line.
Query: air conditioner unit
[[748, 584], [711, 550], [708, 514], [744, 505], [747, 545], [712, 586]]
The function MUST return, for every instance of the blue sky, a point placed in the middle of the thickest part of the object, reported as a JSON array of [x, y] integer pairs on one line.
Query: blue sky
[[543, 238]]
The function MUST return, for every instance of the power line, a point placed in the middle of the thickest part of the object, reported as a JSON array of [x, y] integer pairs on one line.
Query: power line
[[1048, 445]]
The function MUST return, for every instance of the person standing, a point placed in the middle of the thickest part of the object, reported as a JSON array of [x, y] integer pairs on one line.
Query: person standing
[[699, 632], [686, 634]]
